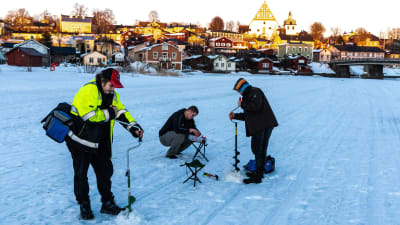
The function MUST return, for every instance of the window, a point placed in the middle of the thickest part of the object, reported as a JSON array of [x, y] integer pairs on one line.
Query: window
[[265, 65], [217, 44], [91, 59], [229, 65], [165, 55], [165, 47], [228, 44], [222, 65], [305, 49], [216, 64], [293, 49], [173, 55], [300, 49], [155, 55], [99, 60], [223, 44], [173, 65]]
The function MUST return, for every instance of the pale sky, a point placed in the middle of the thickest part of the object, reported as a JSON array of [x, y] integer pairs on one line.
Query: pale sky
[[375, 16]]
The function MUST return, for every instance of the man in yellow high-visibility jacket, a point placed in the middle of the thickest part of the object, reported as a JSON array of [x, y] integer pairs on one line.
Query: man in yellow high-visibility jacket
[[98, 105]]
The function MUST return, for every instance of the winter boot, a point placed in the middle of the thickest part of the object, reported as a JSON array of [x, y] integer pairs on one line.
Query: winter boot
[[86, 211], [109, 207], [255, 178], [251, 174]]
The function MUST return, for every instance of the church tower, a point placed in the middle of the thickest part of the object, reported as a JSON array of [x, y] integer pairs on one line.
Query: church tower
[[290, 25], [264, 23]]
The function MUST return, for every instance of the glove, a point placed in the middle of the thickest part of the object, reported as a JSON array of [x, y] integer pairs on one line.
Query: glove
[[231, 115], [135, 128]]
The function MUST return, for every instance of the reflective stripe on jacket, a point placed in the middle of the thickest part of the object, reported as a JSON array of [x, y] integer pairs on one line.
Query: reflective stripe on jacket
[[87, 102]]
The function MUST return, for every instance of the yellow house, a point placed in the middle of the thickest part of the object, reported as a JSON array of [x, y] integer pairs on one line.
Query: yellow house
[[393, 55], [370, 41], [1, 27], [27, 36], [73, 24], [196, 40]]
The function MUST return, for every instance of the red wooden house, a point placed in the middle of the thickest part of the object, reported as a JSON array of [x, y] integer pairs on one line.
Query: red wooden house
[[162, 56], [28, 57], [260, 65], [299, 63], [220, 45]]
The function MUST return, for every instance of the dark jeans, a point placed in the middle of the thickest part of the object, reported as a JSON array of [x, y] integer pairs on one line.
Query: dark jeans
[[259, 145], [102, 166]]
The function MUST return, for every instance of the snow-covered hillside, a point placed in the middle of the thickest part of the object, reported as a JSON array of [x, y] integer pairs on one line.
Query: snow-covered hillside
[[336, 150]]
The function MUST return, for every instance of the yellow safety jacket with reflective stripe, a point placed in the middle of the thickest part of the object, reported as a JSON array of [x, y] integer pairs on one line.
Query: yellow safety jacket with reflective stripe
[[87, 102]]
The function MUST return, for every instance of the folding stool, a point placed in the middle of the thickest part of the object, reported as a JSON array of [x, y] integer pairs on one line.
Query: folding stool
[[195, 166], [200, 148]]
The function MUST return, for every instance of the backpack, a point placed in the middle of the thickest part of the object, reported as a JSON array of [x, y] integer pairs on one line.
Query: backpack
[[60, 125], [269, 165], [58, 122]]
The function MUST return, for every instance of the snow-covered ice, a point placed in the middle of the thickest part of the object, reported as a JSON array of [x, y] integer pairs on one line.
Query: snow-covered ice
[[336, 151]]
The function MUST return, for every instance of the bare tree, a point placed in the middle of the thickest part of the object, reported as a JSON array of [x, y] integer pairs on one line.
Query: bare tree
[[217, 23], [230, 25], [103, 20], [336, 31], [393, 33], [362, 34], [46, 17], [317, 31], [59, 38], [237, 26], [18, 19], [153, 16], [79, 10]]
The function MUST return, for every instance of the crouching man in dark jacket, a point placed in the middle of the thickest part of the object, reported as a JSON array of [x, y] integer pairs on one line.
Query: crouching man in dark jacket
[[259, 121], [175, 131]]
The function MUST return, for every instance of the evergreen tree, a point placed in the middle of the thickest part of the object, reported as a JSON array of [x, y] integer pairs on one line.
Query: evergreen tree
[[83, 49], [46, 39]]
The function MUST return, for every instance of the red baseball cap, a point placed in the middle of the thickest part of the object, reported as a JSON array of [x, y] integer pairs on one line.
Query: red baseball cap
[[113, 76], [115, 79]]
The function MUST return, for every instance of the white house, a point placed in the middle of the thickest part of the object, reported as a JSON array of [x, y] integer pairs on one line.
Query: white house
[[118, 57], [93, 59], [321, 55], [222, 64]]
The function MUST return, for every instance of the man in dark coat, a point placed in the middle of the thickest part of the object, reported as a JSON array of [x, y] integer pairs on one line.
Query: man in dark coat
[[175, 131], [259, 121]]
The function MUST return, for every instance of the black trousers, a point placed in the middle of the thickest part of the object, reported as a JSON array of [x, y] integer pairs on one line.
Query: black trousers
[[259, 145], [102, 166]]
